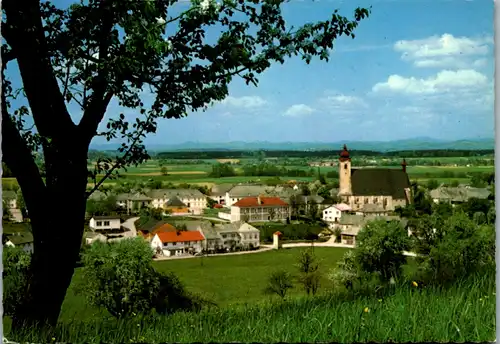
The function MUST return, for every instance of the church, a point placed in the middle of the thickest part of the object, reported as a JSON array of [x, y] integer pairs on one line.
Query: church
[[365, 189]]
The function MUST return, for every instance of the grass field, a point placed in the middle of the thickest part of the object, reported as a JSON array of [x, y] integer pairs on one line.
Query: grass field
[[464, 313], [225, 280], [199, 173]]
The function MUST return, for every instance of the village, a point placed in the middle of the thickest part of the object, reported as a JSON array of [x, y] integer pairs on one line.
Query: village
[[188, 223]]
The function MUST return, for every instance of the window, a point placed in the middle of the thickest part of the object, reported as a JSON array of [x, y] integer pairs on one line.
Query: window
[[375, 200], [345, 166], [174, 243], [98, 223], [106, 223]]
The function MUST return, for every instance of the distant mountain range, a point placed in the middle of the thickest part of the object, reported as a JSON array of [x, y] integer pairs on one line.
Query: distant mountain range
[[420, 143]]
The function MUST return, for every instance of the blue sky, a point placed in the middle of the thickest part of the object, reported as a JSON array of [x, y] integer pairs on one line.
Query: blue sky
[[415, 68]]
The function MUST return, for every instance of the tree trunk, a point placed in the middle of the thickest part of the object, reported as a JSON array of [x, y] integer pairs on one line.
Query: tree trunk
[[57, 241]]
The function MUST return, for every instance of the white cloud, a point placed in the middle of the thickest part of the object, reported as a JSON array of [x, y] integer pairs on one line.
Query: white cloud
[[298, 110], [444, 51], [246, 102], [444, 81], [338, 102]]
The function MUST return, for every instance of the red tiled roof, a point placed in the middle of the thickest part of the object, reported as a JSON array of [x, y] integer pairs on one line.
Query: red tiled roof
[[265, 202], [180, 236]]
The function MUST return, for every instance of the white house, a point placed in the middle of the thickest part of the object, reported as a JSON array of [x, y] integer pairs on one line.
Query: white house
[[23, 240], [9, 198], [177, 243], [260, 209], [238, 234], [105, 222], [192, 198], [331, 214]]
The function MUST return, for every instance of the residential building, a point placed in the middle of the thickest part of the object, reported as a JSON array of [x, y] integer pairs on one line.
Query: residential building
[[91, 237], [230, 236], [260, 209], [350, 225], [177, 243], [133, 202], [160, 228], [23, 240], [218, 192], [9, 199], [333, 213], [176, 207], [373, 209], [457, 195], [386, 187], [242, 191], [238, 234], [105, 223], [193, 199]]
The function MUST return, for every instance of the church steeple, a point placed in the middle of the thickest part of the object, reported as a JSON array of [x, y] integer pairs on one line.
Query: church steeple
[[345, 187], [404, 164], [344, 155]]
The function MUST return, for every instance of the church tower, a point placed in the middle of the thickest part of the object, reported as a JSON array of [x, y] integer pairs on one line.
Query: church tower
[[345, 187]]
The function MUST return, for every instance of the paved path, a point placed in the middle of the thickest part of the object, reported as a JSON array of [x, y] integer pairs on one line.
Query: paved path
[[130, 225], [263, 248], [200, 217]]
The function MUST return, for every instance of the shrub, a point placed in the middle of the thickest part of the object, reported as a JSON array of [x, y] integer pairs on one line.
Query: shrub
[[380, 247], [278, 283], [16, 263], [120, 278], [463, 248], [309, 275], [338, 234]]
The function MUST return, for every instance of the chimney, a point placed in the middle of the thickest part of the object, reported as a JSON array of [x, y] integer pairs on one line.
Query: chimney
[[404, 165], [259, 200]]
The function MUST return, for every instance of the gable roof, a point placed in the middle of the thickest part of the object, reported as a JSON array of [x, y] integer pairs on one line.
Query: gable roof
[[164, 227], [175, 202], [264, 202], [221, 189], [249, 190], [459, 194], [167, 237], [379, 182], [180, 193], [20, 238], [107, 217], [235, 227]]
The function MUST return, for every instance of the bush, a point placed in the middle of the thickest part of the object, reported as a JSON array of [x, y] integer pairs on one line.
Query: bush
[[462, 248], [120, 278], [309, 275], [278, 283], [16, 263], [380, 247]]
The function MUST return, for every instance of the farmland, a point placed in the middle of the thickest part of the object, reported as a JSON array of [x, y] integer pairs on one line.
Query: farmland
[[198, 171]]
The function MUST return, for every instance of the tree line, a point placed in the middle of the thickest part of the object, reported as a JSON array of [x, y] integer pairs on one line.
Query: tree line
[[333, 154]]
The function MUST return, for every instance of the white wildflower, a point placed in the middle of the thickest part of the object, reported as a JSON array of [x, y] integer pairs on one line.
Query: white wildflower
[[392, 281], [160, 21]]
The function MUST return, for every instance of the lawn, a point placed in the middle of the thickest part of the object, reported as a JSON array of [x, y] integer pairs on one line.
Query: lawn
[[225, 280], [463, 313]]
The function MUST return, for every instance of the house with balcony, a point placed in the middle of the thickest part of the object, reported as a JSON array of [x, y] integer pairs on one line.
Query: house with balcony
[[260, 209], [177, 243]]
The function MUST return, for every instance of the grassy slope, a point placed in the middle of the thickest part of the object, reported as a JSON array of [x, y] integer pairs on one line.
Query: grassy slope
[[465, 313]]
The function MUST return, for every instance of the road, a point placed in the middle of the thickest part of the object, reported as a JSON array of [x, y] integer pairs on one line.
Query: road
[[201, 217]]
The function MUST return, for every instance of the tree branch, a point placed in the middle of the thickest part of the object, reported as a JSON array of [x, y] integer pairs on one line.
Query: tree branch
[[100, 99], [27, 40]]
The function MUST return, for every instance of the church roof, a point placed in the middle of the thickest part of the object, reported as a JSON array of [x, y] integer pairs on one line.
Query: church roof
[[379, 182]]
